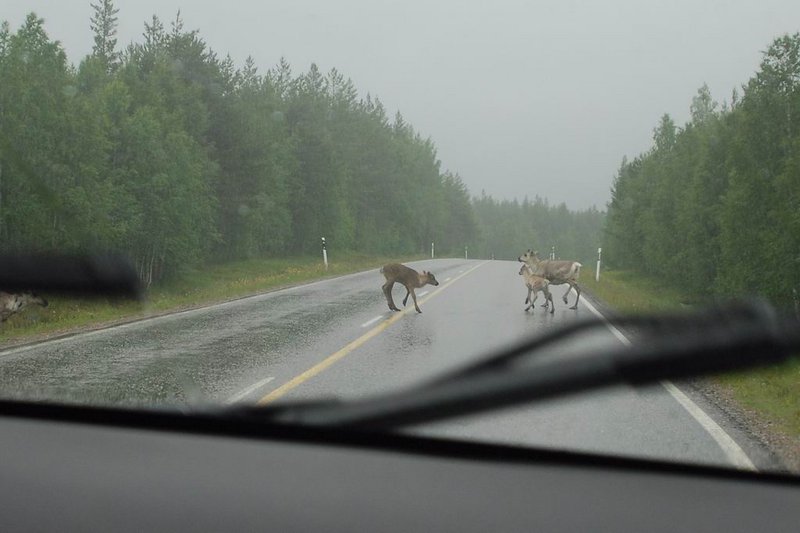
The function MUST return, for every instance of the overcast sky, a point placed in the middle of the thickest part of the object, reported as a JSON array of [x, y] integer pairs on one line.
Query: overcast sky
[[520, 97]]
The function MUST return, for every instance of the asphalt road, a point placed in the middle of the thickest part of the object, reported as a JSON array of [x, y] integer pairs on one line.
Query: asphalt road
[[337, 338]]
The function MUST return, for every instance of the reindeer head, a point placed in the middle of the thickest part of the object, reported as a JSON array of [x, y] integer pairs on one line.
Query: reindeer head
[[429, 278], [528, 256], [523, 268]]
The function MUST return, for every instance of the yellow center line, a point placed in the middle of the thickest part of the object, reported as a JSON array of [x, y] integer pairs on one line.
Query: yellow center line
[[331, 359]]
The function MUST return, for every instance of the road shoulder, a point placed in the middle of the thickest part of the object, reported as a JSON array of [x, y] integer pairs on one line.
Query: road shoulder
[[778, 451]]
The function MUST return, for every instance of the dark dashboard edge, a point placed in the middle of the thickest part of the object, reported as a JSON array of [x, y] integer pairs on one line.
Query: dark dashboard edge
[[210, 424]]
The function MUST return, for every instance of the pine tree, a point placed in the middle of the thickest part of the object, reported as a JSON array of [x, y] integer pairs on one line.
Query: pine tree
[[104, 25]]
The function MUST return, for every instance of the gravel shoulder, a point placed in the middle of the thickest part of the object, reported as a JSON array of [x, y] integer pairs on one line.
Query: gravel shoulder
[[784, 447]]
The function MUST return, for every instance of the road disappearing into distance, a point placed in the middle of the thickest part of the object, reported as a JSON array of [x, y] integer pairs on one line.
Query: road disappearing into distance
[[337, 338]]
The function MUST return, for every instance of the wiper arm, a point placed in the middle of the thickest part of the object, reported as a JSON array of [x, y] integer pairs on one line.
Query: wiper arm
[[672, 347]]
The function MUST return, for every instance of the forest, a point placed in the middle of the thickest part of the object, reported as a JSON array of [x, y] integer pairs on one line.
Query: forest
[[509, 227], [177, 157], [714, 206]]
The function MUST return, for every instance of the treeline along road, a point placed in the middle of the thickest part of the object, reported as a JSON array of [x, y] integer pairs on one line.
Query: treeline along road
[[170, 153]]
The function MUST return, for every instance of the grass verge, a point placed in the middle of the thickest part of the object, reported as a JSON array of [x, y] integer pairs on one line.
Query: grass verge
[[773, 393], [212, 284], [628, 292]]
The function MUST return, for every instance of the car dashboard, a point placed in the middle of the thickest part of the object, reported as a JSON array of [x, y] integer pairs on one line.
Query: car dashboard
[[77, 468]]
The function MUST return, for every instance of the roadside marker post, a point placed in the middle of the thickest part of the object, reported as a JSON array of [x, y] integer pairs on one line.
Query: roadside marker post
[[597, 272], [431, 250], [324, 253], [466, 252]]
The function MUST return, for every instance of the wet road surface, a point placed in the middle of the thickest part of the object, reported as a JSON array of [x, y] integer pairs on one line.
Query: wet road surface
[[280, 346]]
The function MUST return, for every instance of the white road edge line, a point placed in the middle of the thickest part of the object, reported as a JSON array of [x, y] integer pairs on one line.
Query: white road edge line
[[370, 322], [252, 388], [446, 280], [423, 293], [732, 451]]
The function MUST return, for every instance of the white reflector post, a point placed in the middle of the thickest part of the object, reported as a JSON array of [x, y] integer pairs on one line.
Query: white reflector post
[[597, 273]]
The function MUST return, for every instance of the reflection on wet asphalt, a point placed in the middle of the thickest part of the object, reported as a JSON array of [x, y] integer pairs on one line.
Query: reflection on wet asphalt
[[212, 355]]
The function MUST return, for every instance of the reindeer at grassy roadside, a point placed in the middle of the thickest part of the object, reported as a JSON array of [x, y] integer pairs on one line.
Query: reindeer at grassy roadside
[[12, 303]]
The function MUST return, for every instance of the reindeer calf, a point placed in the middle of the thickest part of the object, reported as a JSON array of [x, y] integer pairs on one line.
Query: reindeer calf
[[410, 278], [535, 284]]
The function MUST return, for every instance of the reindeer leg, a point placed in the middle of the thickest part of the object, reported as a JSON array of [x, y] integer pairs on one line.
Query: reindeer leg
[[553, 306], [406, 298], [387, 291], [577, 290], [548, 299], [414, 297], [569, 289], [528, 298]]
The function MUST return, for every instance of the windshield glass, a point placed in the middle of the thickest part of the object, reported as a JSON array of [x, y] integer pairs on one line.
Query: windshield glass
[[340, 199]]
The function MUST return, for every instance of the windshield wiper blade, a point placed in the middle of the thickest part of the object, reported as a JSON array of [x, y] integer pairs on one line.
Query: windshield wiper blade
[[722, 339], [81, 275]]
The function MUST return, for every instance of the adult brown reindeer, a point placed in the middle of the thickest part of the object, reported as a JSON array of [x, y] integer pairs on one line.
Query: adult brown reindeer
[[12, 303], [556, 272], [410, 278]]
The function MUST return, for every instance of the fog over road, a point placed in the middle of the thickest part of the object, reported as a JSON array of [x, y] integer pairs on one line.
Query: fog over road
[[249, 349]]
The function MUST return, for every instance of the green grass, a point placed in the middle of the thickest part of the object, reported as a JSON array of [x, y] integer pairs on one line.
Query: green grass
[[773, 393], [203, 286], [629, 292]]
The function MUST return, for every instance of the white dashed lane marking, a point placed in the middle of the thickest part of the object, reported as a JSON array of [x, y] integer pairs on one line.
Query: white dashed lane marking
[[252, 388], [370, 322]]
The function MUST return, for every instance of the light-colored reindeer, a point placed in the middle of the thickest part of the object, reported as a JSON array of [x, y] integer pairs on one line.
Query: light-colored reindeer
[[535, 284], [556, 272], [12, 303], [410, 278]]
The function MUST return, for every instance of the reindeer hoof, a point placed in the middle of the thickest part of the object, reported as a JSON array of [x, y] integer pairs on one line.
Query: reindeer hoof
[[418, 311]]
